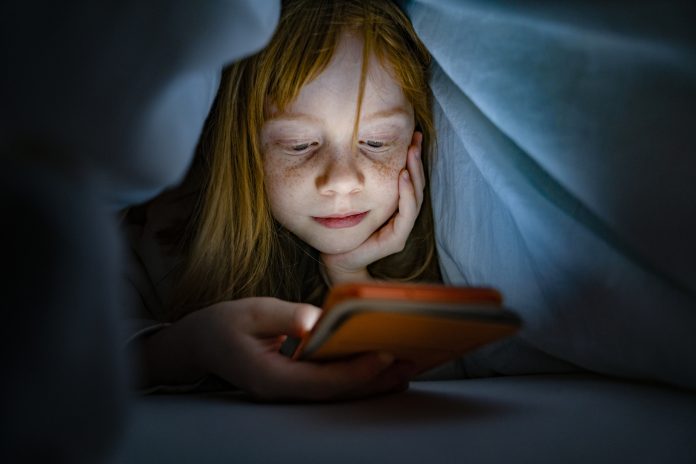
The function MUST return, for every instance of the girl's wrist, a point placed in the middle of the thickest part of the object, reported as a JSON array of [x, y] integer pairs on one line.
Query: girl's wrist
[[341, 276]]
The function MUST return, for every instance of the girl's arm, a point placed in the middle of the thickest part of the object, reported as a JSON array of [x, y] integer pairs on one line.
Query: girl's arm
[[239, 341]]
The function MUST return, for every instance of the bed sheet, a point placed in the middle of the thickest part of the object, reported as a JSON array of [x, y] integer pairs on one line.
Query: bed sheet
[[537, 418]]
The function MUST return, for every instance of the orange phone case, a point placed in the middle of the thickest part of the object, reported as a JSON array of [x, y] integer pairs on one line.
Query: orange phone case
[[423, 323]]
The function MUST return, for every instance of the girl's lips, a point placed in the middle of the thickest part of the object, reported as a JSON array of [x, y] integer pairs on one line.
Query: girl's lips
[[341, 222]]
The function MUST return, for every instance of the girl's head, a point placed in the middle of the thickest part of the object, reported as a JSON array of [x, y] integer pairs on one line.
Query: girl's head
[[329, 181], [316, 126]]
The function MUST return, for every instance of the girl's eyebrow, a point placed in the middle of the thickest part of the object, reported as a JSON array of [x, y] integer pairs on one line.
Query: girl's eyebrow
[[397, 110], [293, 116]]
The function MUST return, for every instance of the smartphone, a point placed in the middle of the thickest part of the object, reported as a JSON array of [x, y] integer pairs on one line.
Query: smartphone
[[426, 324]]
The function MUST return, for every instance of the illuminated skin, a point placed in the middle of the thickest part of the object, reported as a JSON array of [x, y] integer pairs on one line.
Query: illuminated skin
[[337, 195]]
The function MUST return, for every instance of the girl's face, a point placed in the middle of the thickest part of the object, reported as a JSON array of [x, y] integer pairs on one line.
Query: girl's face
[[330, 190]]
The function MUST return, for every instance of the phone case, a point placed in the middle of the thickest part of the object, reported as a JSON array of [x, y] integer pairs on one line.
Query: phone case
[[425, 324]]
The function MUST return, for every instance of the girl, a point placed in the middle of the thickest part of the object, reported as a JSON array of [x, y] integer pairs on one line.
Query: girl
[[311, 171]]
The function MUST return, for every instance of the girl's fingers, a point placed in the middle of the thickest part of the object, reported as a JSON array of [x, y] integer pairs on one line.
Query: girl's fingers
[[415, 167], [393, 379], [363, 376], [392, 237], [323, 381], [408, 211], [270, 317]]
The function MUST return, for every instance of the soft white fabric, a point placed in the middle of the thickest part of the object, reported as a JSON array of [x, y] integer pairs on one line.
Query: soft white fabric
[[564, 177]]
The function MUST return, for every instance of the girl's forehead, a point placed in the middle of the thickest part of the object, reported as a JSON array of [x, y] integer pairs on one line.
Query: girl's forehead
[[338, 85]]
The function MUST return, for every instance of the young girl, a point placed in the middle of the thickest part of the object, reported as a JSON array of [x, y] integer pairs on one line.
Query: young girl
[[311, 171]]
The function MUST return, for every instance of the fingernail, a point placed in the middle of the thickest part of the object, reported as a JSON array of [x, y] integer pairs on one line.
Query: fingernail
[[385, 358]]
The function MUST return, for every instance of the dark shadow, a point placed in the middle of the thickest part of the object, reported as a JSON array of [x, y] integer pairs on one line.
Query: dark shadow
[[412, 406], [398, 408]]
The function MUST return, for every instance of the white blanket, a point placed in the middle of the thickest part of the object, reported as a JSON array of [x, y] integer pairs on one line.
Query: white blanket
[[565, 178]]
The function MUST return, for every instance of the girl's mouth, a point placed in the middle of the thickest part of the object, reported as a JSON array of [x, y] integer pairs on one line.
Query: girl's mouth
[[341, 221]]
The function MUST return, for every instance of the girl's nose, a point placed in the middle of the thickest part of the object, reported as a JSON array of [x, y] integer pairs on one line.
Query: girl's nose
[[340, 176]]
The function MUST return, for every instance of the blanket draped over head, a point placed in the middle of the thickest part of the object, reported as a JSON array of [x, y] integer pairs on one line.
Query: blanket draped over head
[[565, 177]]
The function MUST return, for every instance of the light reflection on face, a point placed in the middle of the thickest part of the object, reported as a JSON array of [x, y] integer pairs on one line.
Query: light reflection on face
[[330, 191]]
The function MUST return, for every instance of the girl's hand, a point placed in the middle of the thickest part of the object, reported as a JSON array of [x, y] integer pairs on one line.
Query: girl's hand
[[239, 341], [390, 238]]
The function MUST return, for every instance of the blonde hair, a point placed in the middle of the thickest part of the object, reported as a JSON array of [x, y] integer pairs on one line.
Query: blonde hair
[[232, 246]]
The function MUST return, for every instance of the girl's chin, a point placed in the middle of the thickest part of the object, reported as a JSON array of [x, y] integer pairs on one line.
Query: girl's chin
[[336, 248]]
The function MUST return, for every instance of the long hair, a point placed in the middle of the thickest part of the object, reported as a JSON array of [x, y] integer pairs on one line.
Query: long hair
[[231, 245]]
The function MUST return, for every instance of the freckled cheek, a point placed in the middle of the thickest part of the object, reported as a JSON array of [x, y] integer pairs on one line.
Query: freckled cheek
[[282, 185], [386, 177], [388, 168]]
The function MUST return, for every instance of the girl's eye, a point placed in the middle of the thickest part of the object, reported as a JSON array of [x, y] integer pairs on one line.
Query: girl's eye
[[374, 145], [302, 147]]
